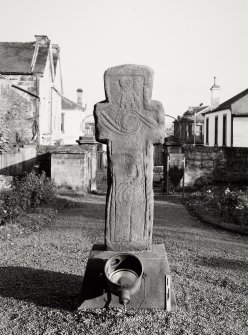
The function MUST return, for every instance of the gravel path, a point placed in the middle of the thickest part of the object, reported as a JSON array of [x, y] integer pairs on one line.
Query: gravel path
[[41, 276]]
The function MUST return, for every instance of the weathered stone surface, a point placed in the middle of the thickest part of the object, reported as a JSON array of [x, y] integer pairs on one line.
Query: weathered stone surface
[[155, 292], [129, 123], [18, 112], [73, 167]]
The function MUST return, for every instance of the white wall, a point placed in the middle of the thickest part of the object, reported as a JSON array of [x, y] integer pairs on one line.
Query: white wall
[[56, 115], [240, 131], [45, 124], [50, 106], [211, 118], [72, 125], [240, 107]]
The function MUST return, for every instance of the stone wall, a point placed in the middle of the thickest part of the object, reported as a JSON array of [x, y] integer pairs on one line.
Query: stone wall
[[18, 111], [73, 167], [211, 164], [20, 160]]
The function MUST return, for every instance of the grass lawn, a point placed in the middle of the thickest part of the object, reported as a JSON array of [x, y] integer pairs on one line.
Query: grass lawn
[[41, 273]]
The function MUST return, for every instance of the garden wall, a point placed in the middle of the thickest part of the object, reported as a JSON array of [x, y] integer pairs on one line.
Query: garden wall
[[73, 167], [20, 160], [208, 164]]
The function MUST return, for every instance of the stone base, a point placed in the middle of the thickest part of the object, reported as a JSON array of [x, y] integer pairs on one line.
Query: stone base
[[156, 288]]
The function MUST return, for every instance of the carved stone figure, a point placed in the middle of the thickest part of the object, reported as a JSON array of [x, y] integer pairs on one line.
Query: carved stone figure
[[129, 123]]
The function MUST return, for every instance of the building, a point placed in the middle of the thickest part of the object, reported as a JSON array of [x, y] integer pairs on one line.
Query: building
[[72, 116], [30, 93], [226, 124], [189, 128]]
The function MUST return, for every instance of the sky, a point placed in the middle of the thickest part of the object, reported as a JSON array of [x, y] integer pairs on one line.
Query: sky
[[186, 42]]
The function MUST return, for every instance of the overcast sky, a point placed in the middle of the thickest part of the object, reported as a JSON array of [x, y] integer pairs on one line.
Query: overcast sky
[[186, 42]]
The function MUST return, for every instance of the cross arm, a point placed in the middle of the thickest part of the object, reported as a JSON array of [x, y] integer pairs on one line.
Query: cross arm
[[102, 132], [156, 112]]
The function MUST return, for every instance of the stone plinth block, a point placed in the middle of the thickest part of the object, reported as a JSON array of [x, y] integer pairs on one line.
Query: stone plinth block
[[129, 122], [156, 287]]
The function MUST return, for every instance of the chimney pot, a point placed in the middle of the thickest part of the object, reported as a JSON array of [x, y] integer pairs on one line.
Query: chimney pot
[[80, 97]]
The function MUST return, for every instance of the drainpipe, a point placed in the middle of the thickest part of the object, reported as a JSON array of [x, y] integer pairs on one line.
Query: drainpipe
[[231, 127]]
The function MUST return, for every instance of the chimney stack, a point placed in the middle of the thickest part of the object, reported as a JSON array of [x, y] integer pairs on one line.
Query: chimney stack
[[215, 95], [41, 39], [80, 97]]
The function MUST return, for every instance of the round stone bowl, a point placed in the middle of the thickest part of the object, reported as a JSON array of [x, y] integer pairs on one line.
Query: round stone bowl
[[124, 273]]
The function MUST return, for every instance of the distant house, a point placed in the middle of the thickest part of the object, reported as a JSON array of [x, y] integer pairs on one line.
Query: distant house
[[72, 115], [30, 92], [189, 128], [226, 124]]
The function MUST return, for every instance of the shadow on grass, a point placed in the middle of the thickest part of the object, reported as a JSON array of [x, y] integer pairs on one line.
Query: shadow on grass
[[88, 210], [172, 199], [43, 288], [218, 262]]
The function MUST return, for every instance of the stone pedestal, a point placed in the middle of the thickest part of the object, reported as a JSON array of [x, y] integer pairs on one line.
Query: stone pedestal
[[156, 288]]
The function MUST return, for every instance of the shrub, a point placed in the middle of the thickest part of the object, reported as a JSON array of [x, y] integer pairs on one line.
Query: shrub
[[231, 203], [26, 193]]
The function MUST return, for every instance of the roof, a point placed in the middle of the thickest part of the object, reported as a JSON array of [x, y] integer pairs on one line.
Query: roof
[[188, 116], [68, 104], [41, 58], [196, 110], [16, 57], [27, 57], [228, 103]]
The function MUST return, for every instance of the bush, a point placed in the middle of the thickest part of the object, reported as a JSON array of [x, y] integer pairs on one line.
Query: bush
[[231, 203], [26, 193]]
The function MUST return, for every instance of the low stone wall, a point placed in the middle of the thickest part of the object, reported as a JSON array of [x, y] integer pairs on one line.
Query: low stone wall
[[20, 160], [211, 164], [73, 167]]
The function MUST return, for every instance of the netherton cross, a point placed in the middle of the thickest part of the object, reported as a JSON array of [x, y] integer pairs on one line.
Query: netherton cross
[[129, 123]]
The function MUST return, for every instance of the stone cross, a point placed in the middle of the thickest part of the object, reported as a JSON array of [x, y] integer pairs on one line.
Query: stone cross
[[129, 123]]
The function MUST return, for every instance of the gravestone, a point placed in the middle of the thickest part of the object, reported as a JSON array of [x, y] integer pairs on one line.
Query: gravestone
[[129, 122]]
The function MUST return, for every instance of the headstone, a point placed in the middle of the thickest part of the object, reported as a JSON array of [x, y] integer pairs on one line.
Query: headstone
[[129, 123]]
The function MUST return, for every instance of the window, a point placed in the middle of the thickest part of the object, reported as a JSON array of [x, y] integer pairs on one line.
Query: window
[[200, 132], [224, 139], [216, 130], [207, 130], [190, 131], [62, 122], [187, 131]]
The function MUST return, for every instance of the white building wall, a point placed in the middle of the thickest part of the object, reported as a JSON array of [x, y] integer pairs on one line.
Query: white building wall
[[45, 122], [240, 107], [240, 131], [211, 135], [56, 115], [72, 125], [50, 106]]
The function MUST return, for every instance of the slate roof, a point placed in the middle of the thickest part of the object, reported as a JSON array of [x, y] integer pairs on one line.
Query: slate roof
[[192, 112], [41, 58], [68, 104], [16, 57], [188, 116], [228, 103]]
